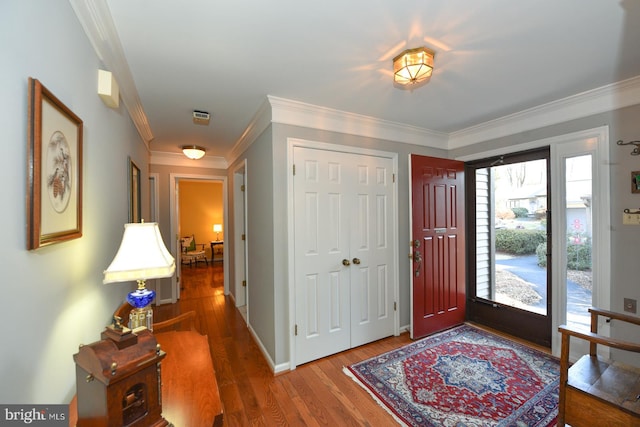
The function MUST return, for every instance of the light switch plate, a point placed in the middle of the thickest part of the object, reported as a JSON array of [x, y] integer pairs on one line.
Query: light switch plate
[[630, 219]]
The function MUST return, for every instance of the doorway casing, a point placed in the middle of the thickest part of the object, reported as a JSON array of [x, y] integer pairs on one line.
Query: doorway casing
[[174, 180], [240, 242]]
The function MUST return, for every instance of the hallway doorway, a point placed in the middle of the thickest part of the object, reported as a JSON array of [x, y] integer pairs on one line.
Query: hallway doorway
[[198, 203]]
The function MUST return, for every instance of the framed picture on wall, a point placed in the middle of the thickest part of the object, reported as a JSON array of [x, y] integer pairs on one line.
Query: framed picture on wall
[[54, 169], [635, 182], [134, 192]]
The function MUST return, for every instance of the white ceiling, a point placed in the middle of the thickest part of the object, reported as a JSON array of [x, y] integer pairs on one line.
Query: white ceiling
[[493, 58]]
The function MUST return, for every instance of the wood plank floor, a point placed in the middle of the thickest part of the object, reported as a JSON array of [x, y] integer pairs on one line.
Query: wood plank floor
[[314, 394]]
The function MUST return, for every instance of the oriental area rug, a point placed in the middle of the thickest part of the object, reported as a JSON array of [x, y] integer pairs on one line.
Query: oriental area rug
[[463, 377]]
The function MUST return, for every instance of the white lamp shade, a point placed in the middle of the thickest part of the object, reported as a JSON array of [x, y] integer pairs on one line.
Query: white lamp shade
[[217, 228], [142, 255]]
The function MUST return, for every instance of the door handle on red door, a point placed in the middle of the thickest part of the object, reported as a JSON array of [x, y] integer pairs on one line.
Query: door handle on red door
[[417, 260]]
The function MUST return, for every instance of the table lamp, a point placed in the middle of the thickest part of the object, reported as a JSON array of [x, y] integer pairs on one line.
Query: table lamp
[[142, 255], [217, 228]]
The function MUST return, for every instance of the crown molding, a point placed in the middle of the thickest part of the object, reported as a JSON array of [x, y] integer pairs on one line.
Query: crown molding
[[177, 159], [95, 18], [297, 113], [595, 101], [260, 121]]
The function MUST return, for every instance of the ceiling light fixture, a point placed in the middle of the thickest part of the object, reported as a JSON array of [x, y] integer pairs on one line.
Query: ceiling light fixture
[[412, 67], [193, 152]]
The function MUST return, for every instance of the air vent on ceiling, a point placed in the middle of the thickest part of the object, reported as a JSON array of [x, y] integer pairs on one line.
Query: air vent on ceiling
[[201, 117]]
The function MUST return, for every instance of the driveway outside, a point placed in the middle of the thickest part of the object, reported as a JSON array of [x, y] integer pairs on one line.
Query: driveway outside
[[526, 268]]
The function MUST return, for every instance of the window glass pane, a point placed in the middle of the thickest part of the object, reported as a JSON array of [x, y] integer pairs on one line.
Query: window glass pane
[[511, 235], [578, 184]]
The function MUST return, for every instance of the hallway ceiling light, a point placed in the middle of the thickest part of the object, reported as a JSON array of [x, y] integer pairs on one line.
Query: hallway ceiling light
[[412, 66], [193, 152]]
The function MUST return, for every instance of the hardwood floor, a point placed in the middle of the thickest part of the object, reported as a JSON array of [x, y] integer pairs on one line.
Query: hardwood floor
[[314, 394]]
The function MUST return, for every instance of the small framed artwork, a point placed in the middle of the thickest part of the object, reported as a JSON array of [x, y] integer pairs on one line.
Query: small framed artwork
[[635, 182], [134, 192], [54, 169]]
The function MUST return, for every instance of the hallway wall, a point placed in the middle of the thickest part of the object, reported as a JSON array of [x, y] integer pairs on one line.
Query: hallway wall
[[53, 297]]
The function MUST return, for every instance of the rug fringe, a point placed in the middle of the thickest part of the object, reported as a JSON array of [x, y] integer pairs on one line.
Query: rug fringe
[[350, 374]]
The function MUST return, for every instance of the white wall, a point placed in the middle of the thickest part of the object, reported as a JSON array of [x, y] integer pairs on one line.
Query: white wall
[[262, 229], [53, 299]]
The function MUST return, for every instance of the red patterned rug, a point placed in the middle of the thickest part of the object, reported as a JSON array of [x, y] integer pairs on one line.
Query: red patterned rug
[[463, 377]]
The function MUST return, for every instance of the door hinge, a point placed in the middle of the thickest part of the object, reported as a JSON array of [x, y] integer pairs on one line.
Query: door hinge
[[244, 236], [244, 283], [242, 187], [295, 330], [395, 306], [394, 177], [294, 169]]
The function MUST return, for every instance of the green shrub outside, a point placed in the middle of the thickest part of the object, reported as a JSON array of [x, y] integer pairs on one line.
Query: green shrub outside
[[519, 242], [541, 252], [578, 255], [520, 212]]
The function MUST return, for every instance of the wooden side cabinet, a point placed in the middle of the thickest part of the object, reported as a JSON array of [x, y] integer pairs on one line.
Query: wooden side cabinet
[[190, 395], [118, 380]]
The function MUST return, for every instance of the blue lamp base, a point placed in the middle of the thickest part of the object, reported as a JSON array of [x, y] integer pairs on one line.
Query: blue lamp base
[[142, 313]]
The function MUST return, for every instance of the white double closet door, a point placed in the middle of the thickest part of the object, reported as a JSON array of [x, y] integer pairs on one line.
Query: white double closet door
[[345, 267]]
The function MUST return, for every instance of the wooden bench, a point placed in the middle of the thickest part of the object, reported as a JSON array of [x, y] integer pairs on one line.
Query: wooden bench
[[595, 391]]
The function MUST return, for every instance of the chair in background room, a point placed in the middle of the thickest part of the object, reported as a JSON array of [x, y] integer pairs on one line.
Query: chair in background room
[[192, 251]]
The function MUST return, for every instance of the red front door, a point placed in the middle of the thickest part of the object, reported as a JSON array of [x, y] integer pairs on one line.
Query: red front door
[[438, 266]]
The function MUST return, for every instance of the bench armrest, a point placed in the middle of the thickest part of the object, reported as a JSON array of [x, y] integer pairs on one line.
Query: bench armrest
[[615, 316], [600, 339]]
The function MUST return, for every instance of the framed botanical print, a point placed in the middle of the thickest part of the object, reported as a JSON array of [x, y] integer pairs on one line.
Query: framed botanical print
[[134, 192], [54, 169]]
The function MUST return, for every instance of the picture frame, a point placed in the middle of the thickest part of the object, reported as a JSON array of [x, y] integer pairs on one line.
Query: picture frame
[[135, 214], [635, 182], [54, 169]]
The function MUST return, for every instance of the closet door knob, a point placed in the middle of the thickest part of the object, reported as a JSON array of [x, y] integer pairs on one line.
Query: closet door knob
[[356, 261], [346, 262]]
